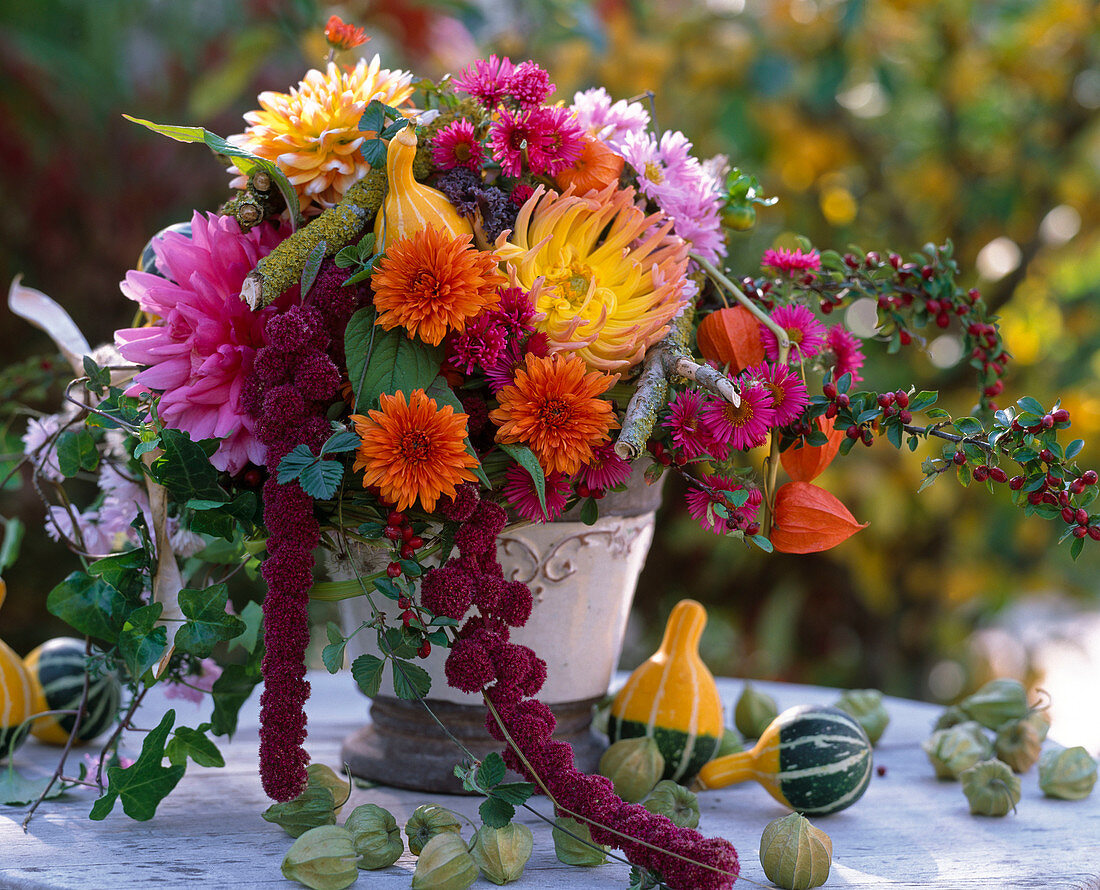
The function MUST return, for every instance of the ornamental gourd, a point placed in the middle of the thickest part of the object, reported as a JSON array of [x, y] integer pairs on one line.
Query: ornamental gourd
[[672, 698], [16, 695], [411, 206], [812, 759], [56, 671]]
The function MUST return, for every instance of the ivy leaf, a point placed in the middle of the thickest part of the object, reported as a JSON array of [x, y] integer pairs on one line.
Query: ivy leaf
[[185, 468], [321, 479], [496, 813], [397, 363], [231, 690], [525, 457], [144, 784], [140, 643], [188, 742], [252, 615], [410, 681], [358, 346], [15, 791], [333, 654], [125, 572], [98, 378], [313, 266], [76, 451], [491, 772], [90, 605], [208, 622], [366, 671]]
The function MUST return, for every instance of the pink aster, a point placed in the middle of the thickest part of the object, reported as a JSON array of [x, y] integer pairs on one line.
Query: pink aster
[[201, 350], [456, 145], [846, 351], [806, 332], [743, 426], [519, 490], [690, 435], [789, 394], [480, 345], [791, 261], [529, 84], [610, 122], [605, 470], [546, 140], [486, 80], [699, 501]]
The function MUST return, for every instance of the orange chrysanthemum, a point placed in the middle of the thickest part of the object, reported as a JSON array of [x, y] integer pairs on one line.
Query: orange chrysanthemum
[[312, 132], [430, 284], [552, 407], [596, 168], [415, 451]]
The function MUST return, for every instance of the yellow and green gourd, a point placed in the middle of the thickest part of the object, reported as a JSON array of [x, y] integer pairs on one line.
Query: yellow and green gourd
[[16, 695], [56, 671], [810, 758], [673, 699], [411, 206]]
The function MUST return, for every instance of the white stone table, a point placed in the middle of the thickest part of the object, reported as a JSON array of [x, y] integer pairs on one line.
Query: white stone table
[[909, 831]]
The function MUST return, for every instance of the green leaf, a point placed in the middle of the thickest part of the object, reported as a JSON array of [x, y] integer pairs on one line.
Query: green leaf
[[968, 426], [98, 378], [76, 451], [1076, 547], [14, 530], [1031, 406], [936, 413], [763, 543], [590, 511], [90, 605], [922, 400], [492, 770], [144, 784], [341, 441], [321, 479], [208, 623], [1074, 448], [374, 152], [244, 161], [514, 792], [525, 457], [191, 743], [893, 434], [398, 642], [496, 813], [333, 654], [441, 391], [292, 465], [253, 616], [366, 671], [397, 363], [410, 681], [232, 689], [15, 791], [185, 468], [374, 117], [140, 643], [358, 345], [125, 572], [313, 266]]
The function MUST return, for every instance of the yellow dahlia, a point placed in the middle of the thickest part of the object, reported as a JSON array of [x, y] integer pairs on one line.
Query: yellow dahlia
[[312, 132], [607, 278]]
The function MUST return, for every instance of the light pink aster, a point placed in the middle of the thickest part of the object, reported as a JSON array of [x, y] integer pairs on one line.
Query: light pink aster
[[200, 351], [684, 421], [789, 394], [806, 332], [846, 351], [195, 687], [456, 145], [699, 501], [743, 426], [486, 80], [605, 470], [791, 261], [610, 122], [519, 490]]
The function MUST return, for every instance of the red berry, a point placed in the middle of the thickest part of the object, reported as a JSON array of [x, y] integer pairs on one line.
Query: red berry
[[981, 473], [831, 410], [905, 337], [407, 533], [1046, 456], [1082, 516], [885, 400], [1060, 416], [753, 528], [425, 649], [997, 474], [1077, 486], [1089, 477], [943, 320], [393, 569], [1035, 497], [933, 306], [881, 770], [1048, 420], [829, 390], [415, 542], [852, 432], [407, 616], [826, 307], [1094, 532], [597, 494], [842, 400], [905, 416], [1063, 499], [1069, 514], [252, 478], [583, 490], [403, 602], [868, 437], [407, 552], [1050, 498], [1053, 481], [392, 532], [1017, 482], [902, 398], [959, 458], [1079, 531], [396, 518]]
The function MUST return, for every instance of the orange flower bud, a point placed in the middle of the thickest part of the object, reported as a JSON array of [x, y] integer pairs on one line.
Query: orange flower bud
[[808, 519], [343, 36], [803, 462], [731, 336]]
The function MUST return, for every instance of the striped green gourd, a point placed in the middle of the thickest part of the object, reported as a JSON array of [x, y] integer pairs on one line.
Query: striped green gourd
[[56, 670], [813, 759]]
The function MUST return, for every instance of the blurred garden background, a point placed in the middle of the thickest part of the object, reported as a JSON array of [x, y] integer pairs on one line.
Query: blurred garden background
[[882, 123]]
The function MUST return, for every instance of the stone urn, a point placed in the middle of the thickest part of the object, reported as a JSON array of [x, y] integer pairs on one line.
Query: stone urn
[[583, 579]]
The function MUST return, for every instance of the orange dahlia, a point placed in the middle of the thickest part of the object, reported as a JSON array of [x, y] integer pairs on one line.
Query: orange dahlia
[[414, 451], [608, 278], [312, 132], [553, 407], [430, 283]]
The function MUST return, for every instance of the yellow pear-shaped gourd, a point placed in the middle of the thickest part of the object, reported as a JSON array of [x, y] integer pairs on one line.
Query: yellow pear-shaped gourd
[[672, 698], [16, 695], [812, 759], [411, 206]]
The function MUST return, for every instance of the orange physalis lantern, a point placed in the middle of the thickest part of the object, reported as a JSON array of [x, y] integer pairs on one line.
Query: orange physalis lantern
[[803, 462], [731, 336], [808, 519]]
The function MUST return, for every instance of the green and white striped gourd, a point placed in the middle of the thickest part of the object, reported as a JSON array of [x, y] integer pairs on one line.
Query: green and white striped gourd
[[56, 670], [813, 759]]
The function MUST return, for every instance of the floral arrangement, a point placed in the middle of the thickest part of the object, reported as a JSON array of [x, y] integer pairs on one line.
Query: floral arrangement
[[430, 310]]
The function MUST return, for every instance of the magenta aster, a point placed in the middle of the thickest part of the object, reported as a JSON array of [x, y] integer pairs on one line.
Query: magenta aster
[[700, 499], [743, 426], [789, 394], [791, 262], [545, 140], [605, 470], [486, 80], [529, 84], [690, 434], [846, 352], [519, 490], [456, 145], [201, 350], [806, 332]]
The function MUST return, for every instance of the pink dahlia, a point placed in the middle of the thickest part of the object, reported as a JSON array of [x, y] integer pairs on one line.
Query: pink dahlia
[[791, 261], [605, 470], [789, 394], [846, 351], [743, 426], [806, 332], [201, 350], [519, 490], [689, 433], [700, 503], [456, 145]]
